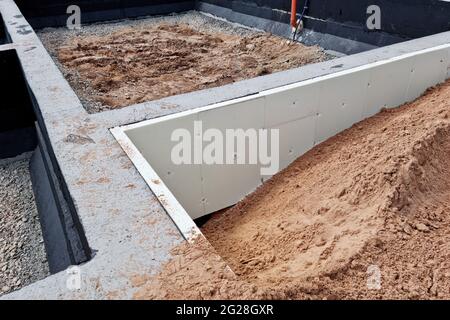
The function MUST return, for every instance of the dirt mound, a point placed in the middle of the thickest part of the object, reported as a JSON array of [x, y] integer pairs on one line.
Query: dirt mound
[[137, 65], [372, 201]]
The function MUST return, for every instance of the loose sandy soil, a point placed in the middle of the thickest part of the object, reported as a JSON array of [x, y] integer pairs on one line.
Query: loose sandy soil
[[148, 61], [374, 199]]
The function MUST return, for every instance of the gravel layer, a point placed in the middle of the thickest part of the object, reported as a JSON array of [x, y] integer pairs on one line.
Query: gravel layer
[[54, 37], [22, 253]]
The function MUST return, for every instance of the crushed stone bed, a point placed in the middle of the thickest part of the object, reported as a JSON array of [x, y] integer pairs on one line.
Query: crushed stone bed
[[22, 253]]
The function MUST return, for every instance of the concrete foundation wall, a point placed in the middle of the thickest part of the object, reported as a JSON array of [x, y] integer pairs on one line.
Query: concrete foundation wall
[[19, 133], [21, 124], [342, 42], [64, 237], [305, 113], [56, 245], [400, 19]]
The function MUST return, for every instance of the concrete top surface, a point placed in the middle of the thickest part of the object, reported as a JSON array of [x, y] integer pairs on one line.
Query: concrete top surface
[[126, 227]]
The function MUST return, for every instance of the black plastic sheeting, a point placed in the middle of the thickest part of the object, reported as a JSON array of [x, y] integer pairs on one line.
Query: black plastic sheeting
[[408, 18], [52, 13], [64, 237], [399, 18], [42, 8], [17, 118], [2, 31]]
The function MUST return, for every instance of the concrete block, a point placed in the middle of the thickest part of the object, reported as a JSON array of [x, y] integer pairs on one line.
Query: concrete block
[[429, 69], [298, 102], [448, 63], [342, 102], [388, 85], [296, 138], [224, 185]]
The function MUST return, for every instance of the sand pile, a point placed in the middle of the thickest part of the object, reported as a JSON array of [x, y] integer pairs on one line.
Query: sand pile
[[195, 272], [135, 65], [375, 197]]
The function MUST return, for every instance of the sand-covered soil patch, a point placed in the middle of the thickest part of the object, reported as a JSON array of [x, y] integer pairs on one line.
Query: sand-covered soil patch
[[133, 62], [365, 214]]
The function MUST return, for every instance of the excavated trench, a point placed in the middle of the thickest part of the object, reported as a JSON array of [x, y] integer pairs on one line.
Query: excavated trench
[[373, 201], [36, 238], [23, 257]]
